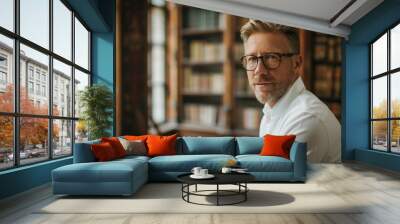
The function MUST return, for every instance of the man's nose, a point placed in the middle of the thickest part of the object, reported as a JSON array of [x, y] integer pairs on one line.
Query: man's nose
[[260, 69]]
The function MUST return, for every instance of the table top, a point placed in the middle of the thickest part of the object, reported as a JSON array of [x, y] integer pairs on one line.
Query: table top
[[220, 178]]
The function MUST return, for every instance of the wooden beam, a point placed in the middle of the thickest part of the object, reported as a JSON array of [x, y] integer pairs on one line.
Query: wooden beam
[[131, 77]]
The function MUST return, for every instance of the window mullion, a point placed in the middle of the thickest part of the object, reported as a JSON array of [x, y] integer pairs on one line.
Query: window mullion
[[73, 82], [16, 84], [389, 113], [50, 81]]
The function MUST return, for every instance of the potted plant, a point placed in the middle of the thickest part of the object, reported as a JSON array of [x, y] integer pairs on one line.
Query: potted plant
[[96, 103]]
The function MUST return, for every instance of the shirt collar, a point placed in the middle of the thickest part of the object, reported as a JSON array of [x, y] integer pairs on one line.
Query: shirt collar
[[284, 102]]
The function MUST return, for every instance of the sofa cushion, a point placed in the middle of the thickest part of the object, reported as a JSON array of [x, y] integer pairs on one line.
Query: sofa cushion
[[206, 145], [116, 144], [257, 163], [134, 147], [103, 152], [112, 171], [83, 152], [277, 145], [161, 145], [248, 145], [185, 163]]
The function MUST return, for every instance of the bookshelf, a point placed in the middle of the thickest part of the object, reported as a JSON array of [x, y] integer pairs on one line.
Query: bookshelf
[[326, 70], [208, 90]]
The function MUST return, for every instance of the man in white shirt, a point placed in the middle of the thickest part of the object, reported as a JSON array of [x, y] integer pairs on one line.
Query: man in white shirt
[[273, 64]]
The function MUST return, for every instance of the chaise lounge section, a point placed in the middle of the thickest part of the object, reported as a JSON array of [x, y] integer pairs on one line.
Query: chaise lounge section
[[125, 176]]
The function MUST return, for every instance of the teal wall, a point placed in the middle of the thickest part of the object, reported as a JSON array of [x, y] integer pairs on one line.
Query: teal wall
[[99, 16], [355, 125]]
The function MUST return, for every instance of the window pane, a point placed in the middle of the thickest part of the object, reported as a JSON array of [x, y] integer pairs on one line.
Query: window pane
[[33, 139], [395, 94], [62, 138], [395, 47], [34, 96], [6, 142], [395, 138], [62, 29], [6, 74], [379, 135], [379, 98], [7, 14], [81, 45], [379, 55], [62, 89], [81, 81], [81, 131], [35, 21]]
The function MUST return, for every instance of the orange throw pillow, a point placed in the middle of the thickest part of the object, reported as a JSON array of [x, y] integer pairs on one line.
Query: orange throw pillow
[[277, 145], [116, 145], [161, 145], [136, 137], [103, 151]]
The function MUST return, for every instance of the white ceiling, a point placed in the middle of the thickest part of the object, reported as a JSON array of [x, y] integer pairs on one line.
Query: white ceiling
[[314, 15]]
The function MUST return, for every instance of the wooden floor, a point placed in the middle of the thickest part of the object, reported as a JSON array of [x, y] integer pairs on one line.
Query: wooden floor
[[377, 188]]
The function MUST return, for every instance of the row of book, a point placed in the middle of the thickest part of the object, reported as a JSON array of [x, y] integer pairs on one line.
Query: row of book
[[195, 18], [206, 115], [328, 49], [206, 51], [210, 115], [327, 80], [238, 51], [249, 118], [202, 82], [242, 84], [213, 82]]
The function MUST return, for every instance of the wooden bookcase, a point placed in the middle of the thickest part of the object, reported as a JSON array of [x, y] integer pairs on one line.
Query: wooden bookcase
[[208, 91], [326, 72]]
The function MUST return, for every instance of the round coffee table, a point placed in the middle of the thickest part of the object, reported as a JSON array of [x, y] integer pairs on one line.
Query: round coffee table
[[238, 179]]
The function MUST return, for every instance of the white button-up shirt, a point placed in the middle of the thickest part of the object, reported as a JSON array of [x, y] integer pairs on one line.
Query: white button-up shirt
[[301, 113]]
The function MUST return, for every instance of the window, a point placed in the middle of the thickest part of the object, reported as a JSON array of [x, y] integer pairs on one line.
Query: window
[[3, 78], [7, 14], [38, 89], [157, 90], [3, 61], [81, 45], [45, 131], [30, 72], [30, 87], [385, 94], [34, 21]]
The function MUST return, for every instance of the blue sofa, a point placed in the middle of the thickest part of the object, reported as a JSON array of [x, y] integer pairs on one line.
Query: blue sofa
[[125, 176]]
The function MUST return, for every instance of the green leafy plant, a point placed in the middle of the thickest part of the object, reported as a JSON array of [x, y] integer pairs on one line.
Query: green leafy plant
[[96, 103]]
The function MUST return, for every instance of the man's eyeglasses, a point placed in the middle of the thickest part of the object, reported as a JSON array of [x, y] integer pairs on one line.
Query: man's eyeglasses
[[269, 60]]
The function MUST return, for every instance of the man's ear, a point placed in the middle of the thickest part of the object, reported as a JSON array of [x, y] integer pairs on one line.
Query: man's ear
[[298, 61]]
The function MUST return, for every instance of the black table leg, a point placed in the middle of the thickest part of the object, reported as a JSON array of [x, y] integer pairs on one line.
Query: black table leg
[[245, 193], [217, 194]]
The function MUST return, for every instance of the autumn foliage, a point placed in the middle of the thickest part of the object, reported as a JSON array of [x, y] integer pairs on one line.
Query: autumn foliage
[[33, 131]]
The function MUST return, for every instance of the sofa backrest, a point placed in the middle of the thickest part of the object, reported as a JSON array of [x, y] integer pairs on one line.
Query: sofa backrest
[[249, 145], [83, 153], [206, 145]]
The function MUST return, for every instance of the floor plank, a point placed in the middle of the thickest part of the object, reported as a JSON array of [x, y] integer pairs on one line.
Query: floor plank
[[377, 190]]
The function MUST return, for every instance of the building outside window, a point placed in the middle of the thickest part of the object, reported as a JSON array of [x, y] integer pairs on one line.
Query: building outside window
[[385, 91], [55, 135]]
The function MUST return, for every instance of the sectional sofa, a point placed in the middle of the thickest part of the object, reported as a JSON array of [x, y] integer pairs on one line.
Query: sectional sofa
[[126, 175]]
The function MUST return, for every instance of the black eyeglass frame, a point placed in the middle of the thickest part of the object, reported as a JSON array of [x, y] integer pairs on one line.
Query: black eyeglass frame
[[279, 55]]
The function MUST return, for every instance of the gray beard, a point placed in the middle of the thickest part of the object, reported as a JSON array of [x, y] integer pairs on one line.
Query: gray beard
[[272, 99]]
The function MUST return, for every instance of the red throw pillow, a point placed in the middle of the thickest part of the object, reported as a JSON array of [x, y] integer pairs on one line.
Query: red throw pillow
[[161, 145], [116, 145], [277, 145], [103, 151]]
